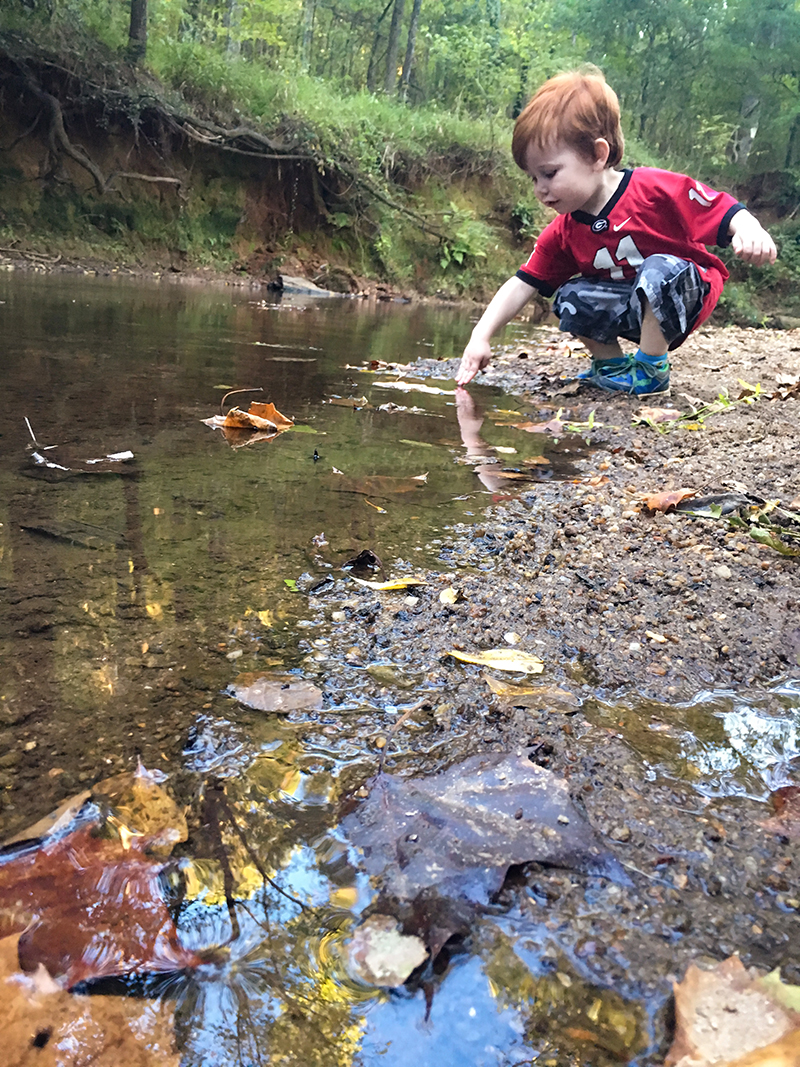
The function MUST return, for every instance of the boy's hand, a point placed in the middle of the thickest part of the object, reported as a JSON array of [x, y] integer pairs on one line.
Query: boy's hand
[[477, 355], [750, 241]]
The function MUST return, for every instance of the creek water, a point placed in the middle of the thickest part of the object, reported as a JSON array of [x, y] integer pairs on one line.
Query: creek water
[[133, 595]]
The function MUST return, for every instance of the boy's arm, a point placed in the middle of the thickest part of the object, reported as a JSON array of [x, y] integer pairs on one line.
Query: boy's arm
[[750, 241], [507, 302]]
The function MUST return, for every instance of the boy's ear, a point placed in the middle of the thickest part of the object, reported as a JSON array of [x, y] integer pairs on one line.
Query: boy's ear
[[602, 150]]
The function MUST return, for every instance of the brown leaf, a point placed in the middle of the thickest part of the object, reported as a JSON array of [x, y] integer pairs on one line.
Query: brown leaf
[[278, 693], [379, 484], [89, 898], [101, 1031], [531, 696], [257, 417], [722, 1015], [786, 805], [554, 426], [668, 499], [657, 415]]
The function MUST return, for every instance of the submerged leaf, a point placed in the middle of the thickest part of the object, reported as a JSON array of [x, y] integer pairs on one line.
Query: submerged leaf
[[554, 426], [278, 693], [531, 696], [502, 659], [378, 484], [459, 831]]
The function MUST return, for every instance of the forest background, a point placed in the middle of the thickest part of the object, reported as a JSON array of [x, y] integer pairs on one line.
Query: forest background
[[356, 139]]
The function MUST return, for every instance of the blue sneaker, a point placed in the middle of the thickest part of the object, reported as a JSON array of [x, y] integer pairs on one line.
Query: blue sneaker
[[637, 374]]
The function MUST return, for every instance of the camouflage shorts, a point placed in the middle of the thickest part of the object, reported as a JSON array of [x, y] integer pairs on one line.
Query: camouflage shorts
[[605, 310]]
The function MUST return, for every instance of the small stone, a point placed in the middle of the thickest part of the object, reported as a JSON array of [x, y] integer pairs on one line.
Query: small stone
[[621, 833], [338, 616], [723, 571], [237, 652], [511, 638], [30, 746], [563, 819]]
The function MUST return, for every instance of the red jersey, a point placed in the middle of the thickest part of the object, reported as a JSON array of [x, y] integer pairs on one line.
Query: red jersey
[[652, 212]]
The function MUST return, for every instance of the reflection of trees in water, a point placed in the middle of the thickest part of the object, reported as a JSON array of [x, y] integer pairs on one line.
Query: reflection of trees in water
[[562, 1011], [276, 991]]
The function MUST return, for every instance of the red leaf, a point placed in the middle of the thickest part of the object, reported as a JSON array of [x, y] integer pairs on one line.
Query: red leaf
[[666, 500]]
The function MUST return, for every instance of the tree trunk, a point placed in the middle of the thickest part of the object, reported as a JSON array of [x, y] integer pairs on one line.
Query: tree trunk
[[393, 48], [137, 36], [408, 62], [374, 55], [309, 11]]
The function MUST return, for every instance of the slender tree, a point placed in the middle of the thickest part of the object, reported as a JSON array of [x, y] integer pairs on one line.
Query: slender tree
[[137, 36], [393, 49], [408, 62]]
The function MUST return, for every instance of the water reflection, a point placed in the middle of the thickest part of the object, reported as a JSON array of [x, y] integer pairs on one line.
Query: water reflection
[[726, 744]]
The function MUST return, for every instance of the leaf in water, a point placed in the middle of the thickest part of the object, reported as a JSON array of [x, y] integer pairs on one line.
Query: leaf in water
[[240, 437], [257, 417], [379, 484], [392, 583], [459, 831], [727, 1017], [46, 1026], [354, 402], [531, 696], [536, 461], [502, 659], [279, 693], [554, 426], [414, 387], [90, 906], [380, 955], [668, 499], [786, 820], [138, 802]]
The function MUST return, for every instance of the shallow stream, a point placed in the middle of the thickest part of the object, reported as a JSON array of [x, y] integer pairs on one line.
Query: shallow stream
[[134, 593]]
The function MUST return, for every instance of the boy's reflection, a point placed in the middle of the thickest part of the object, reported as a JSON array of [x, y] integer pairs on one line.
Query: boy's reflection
[[470, 420]]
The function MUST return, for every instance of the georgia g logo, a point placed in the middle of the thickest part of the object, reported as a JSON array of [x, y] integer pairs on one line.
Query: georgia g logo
[[599, 225]]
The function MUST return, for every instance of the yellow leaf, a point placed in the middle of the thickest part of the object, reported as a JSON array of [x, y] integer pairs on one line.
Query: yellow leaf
[[393, 583], [502, 659], [449, 595]]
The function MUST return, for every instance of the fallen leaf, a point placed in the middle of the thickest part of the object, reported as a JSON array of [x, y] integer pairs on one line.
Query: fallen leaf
[[354, 402], [279, 693], [379, 954], [788, 386], [460, 830], [554, 426], [657, 415], [44, 1026], [502, 659], [668, 499], [257, 417], [414, 387], [536, 461], [531, 696], [392, 583], [378, 484], [449, 595], [786, 805], [90, 906], [726, 1016]]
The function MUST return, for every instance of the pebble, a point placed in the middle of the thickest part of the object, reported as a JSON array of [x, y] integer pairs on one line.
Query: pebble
[[723, 571], [338, 616], [621, 833]]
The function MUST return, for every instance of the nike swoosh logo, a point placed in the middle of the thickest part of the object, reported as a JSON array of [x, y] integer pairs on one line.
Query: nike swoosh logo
[[615, 228]]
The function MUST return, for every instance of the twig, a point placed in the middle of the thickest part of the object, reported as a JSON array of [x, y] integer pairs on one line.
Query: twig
[[231, 392]]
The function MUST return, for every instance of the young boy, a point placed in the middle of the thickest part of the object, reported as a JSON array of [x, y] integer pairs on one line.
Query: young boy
[[626, 256]]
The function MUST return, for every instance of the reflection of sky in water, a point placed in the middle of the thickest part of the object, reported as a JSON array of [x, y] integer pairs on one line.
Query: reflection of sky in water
[[757, 749], [466, 1026]]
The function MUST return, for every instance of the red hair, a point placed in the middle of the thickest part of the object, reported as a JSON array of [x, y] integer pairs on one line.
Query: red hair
[[575, 108]]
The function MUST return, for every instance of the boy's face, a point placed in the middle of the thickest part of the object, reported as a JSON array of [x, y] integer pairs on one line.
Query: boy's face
[[565, 180]]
